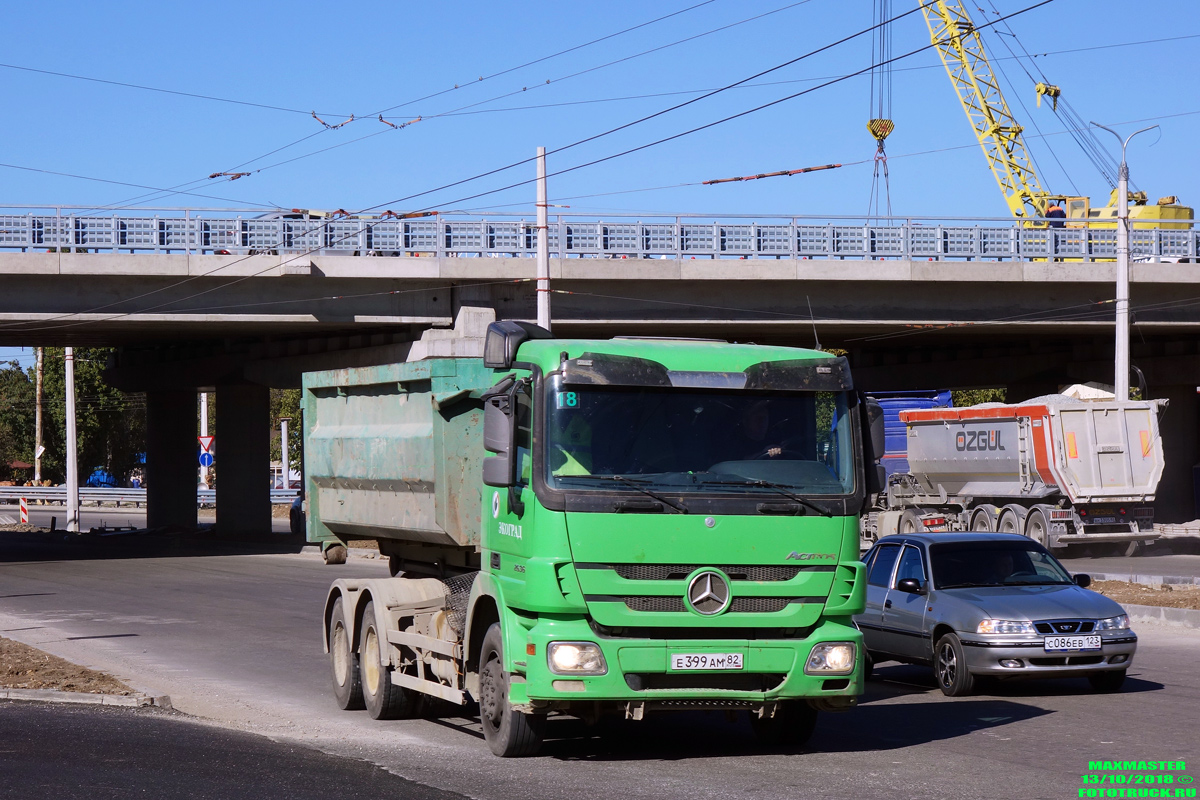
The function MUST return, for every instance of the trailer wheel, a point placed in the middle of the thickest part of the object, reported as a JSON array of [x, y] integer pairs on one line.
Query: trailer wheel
[[343, 661], [910, 522], [1037, 527], [1012, 520], [983, 520], [508, 732], [384, 699]]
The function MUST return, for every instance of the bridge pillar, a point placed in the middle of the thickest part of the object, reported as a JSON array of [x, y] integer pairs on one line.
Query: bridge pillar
[[1175, 500], [171, 459], [243, 459]]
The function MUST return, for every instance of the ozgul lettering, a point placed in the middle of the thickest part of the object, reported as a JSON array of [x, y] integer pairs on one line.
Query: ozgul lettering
[[510, 529]]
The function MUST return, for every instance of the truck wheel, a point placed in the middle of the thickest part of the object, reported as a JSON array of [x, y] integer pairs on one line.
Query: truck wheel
[[950, 667], [1109, 681], [508, 733], [984, 520], [910, 522], [792, 724], [1012, 520], [335, 554], [384, 699], [347, 683], [1037, 527]]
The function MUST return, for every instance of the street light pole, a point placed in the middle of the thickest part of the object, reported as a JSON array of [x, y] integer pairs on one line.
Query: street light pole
[[543, 245], [1121, 365], [72, 445]]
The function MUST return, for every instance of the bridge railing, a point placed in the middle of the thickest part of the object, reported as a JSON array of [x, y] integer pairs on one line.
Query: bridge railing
[[210, 231], [99, 495]]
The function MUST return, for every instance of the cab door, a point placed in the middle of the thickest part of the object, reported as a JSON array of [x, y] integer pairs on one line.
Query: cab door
[[903, 618]]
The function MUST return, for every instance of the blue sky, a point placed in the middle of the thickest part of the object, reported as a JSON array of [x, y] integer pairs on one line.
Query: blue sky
[[344, 59]]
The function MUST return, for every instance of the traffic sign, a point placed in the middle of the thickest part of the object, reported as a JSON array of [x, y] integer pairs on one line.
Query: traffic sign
[[206, 443], [206, 459]]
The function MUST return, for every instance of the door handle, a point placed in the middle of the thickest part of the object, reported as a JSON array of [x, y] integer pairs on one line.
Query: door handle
[[887, 604]]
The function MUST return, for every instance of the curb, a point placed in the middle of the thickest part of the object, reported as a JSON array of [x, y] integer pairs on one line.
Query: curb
[[85, 698], [1176, 617], [1149, 580]]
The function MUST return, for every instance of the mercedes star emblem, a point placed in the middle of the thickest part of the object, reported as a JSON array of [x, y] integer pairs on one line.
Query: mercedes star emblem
[[708, 593]]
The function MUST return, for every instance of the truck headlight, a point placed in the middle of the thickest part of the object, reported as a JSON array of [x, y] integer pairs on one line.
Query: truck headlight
[[831, 658], [575, 658], [1118, 623], [1005, 626]]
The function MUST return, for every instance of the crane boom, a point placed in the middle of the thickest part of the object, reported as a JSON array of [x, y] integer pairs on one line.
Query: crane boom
[[958, 43]]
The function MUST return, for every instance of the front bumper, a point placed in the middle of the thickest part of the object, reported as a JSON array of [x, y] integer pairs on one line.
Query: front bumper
[[639, 669], [984, 655]]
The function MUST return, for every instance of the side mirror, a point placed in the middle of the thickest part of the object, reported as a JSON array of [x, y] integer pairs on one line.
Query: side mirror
[[498, 438], [1083, 581], [875, 425], [910, 586]]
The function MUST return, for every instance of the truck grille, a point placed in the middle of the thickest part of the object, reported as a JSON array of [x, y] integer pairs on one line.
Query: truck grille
[[740, 682], [739, 605], [1056, 626], [677, 572]]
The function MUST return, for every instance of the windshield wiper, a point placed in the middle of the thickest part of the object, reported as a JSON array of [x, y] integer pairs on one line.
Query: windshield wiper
[[634, 484], [783, 490]]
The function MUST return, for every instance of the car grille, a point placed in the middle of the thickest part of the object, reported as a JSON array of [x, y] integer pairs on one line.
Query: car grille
[[1066, 661], [1055, 626], [677, 572]]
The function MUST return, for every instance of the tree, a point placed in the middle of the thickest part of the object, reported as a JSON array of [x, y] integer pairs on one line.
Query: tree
[[286, 403], [16, 417]]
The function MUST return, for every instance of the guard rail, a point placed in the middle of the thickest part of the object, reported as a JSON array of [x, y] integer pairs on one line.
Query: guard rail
[[136, 497]]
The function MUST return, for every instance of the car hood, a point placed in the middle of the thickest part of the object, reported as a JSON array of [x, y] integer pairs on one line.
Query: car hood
[[1035, 602]]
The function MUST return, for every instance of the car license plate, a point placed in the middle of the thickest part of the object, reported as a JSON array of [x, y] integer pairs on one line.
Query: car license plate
[[1060, 643], [706, 661], [1103, 520]]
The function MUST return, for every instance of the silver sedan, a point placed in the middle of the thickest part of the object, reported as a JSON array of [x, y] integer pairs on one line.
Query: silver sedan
[[989, 604]]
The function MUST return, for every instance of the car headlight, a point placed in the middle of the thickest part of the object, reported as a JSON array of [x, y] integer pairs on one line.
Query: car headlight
[[575, 658], [1118, 623], [1005, 626], [831, 658]]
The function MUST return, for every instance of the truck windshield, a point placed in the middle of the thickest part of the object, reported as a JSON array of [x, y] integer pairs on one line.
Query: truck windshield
[[697, 440]]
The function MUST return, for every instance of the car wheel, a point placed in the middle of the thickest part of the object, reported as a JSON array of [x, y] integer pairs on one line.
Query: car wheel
[[868, 666], [950, 667], [1107, 681], [792, 724]]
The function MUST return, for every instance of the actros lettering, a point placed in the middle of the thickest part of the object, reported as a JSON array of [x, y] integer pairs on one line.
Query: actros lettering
[[974, 441]]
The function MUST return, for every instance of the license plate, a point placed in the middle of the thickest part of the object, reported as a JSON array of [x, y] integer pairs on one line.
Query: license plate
[[706, 661], [1060, 643], [1103, 520]]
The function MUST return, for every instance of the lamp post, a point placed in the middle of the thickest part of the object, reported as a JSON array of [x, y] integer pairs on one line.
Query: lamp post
[[1121, 366]]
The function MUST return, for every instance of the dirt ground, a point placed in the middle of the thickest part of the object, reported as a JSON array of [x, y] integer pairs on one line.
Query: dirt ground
[[1141, 594], [25, 667]]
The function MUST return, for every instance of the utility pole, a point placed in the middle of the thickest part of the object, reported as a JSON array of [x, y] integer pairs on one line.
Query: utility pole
[[203, 431], [1121, 365], [37, 423], [72, 455], [283, 452], [543, 245]]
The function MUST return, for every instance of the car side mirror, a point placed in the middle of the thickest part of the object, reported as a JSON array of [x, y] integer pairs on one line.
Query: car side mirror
[[910, 586], [1083, 581]]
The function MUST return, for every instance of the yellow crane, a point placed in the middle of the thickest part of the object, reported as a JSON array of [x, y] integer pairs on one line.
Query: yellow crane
[[961, 49]]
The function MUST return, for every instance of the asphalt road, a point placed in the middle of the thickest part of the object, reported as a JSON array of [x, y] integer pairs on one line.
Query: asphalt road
[[236, 639]]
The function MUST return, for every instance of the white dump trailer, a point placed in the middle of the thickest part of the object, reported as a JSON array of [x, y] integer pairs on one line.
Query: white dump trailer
[[1057, 470]]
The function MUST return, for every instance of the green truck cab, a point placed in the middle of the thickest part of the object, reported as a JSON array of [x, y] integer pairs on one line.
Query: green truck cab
[[596, 527]]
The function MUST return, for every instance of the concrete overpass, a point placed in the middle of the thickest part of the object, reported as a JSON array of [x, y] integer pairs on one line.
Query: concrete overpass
[[240, 323]]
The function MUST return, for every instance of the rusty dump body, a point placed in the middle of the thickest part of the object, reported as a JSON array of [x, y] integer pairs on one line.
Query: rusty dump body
[[391, 454], [1056, 469]]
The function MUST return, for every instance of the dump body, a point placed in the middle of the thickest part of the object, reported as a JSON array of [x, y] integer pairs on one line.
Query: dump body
[[393, 453], [1061, 471]]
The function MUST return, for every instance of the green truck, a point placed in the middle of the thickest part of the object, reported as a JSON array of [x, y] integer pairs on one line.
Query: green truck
[[595, 527]]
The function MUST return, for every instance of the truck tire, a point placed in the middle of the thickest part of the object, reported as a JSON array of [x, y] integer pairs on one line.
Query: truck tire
[[910, 522], [792, 724], [335, 554], [1011, 520], [950, 667], [343, 661], [383, 699], [1037, 527], [983, 520], [508, 732]]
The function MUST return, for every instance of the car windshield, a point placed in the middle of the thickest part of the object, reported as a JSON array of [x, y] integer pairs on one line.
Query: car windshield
[[697, 440], [958, 565]]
